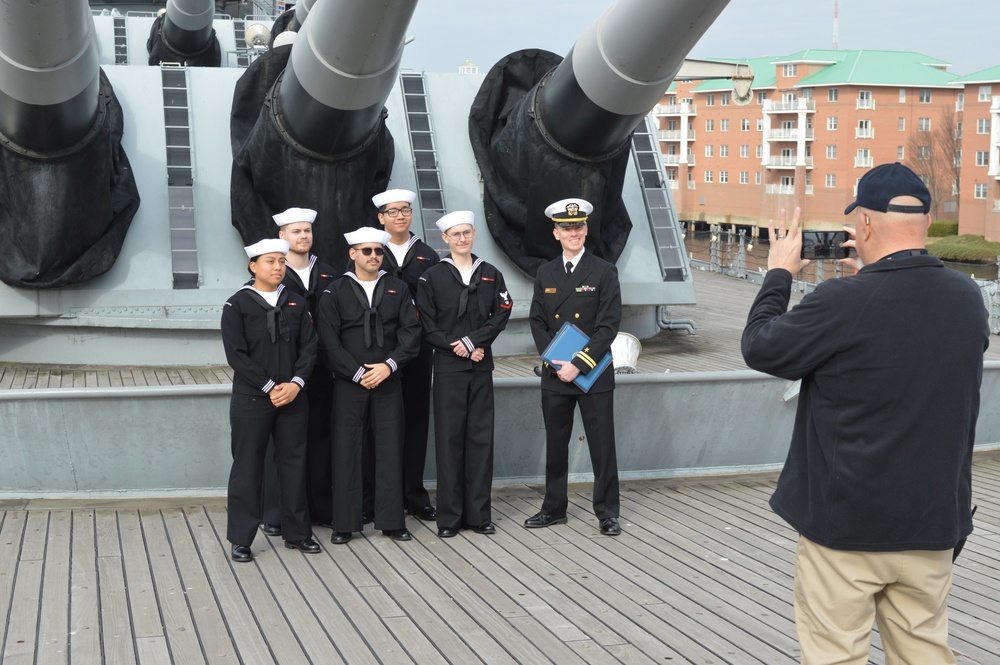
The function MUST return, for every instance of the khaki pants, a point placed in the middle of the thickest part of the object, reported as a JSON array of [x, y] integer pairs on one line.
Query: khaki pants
[[838, 593]]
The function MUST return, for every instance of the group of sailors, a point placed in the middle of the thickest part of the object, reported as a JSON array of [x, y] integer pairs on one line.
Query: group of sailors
[[333, 374]]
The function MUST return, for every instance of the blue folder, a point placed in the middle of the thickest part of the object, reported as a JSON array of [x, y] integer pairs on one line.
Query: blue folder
[[565, 344]]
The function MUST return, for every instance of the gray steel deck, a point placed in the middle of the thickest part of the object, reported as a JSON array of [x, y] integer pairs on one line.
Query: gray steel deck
[[702, 574]]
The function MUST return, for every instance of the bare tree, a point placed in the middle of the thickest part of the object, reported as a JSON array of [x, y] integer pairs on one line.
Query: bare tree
[[932, 152]]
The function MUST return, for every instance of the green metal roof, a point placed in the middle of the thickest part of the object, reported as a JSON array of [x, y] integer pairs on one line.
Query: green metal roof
[[863, 67], [991, 75]]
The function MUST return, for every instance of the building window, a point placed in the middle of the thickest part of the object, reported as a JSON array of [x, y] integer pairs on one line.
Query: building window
[[865, 100], [744, 177], [724, 99], [724, 125], [902, 95], [901, 125], [789, 70], [985, 93], [982, 158], [807, 93], [831, 179], [900, 153], [863, 159], [723, 151], [833, 94], [710, 100], [960, 102], [745, 125], [983, 126], [958, 129], [760, 124], [923, 152], [709, 125], [672, 174], [708, 176], [980, 190], [761, 97], [831, 152], [923, 124], [744, 151], [831, 123], [958, 158], [925, 96], [724, 176], [709, 150], [756, 178], [760, 151]]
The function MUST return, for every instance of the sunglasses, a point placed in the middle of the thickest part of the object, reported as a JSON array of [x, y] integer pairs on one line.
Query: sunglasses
[[367, 251]]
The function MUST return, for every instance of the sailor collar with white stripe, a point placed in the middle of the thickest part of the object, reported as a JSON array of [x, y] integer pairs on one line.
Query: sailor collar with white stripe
[[352, 275], [250, 285], [475, 263]]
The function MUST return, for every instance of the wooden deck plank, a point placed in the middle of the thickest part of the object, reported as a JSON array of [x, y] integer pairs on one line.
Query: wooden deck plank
[[22, 628], [143, 607], [117, 643], [84, 595], [154, 651], [11, 533], [53, 625]]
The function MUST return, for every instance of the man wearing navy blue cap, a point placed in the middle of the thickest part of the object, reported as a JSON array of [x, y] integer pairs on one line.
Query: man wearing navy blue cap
[[878, 476]]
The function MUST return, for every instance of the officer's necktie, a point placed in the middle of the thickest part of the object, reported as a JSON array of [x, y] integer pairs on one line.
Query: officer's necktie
[[569, 268]]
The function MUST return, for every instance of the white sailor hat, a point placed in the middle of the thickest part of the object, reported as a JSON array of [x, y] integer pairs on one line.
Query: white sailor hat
[[392, 196], [569, 212], [367, 234], [293, 215], [266, 246], [284, 37], [456, 218]]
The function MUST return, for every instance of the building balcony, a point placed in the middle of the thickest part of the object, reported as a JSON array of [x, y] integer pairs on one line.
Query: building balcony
[[772, 106], [866, 104], [868, 133], [780, 189], [676, 135], [959, 105], [691, 184], [862, 163], [788, 134], [996, 205], [673, 184], [809, 190], [675, 109], [787, 162]]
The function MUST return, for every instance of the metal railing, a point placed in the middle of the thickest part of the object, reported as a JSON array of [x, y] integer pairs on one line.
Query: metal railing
[[675, 109], [866, 104], [782, 162], [862, 133], [772, 106]]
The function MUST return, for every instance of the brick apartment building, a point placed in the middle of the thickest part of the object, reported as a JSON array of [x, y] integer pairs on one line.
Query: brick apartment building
[[817, 121]]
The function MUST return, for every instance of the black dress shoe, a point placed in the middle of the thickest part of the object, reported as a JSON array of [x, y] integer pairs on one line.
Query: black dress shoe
[[447, 533], [540, 519], [398, 534], [242, 553], [425, 514], [327, 525], [488, 528], [309, 546], [610, 526], [271, 529], [341, 537]]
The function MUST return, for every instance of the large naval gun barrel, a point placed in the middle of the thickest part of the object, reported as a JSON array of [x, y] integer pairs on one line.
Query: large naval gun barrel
[[183, 33], [544, 128], [308, 122], [67, 193]]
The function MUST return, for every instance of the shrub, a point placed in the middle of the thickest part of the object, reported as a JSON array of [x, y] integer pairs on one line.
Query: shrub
[[942, 229], [966, 247]]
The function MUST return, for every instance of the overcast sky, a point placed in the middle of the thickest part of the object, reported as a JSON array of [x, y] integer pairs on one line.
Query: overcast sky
[[962, 32]]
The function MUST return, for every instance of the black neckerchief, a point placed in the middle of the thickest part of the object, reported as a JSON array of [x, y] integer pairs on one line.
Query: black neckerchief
[[470, 289], [276, 323], [372, 319]]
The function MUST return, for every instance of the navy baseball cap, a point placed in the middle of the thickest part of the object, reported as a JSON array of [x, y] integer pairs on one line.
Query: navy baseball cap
[[884, 183]]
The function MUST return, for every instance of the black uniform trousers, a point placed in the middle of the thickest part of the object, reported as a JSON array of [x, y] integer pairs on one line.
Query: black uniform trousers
[[318, 451], [463, 435], [379, 412], [254, 420], [598, 413]]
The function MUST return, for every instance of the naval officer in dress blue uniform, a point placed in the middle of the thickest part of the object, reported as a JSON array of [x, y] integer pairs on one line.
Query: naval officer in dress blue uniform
[[582, 289], [270, 343]]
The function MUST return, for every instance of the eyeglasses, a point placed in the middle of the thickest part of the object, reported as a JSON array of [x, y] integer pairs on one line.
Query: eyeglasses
[[367, 251], [458, 235], [393, 213]]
